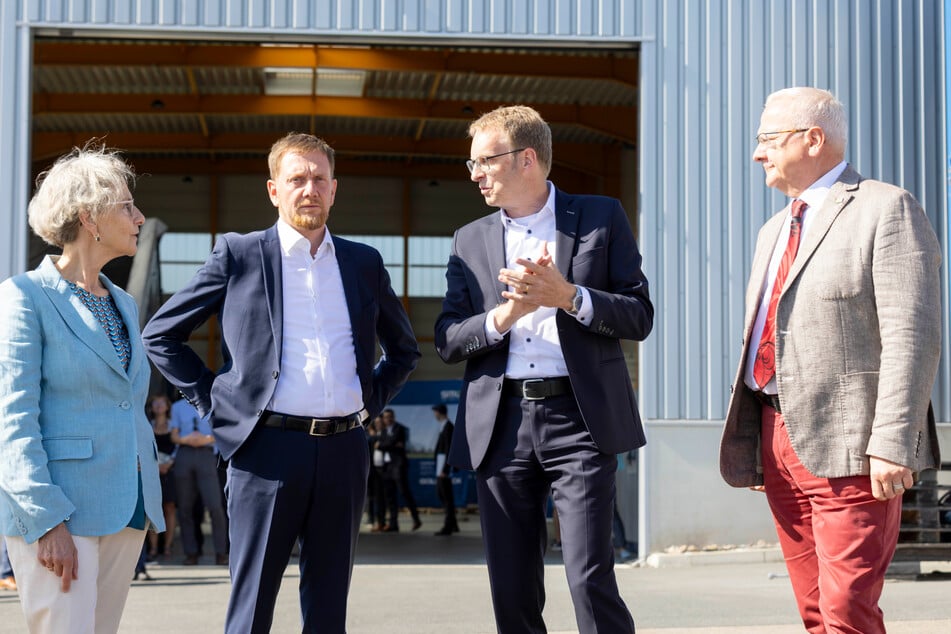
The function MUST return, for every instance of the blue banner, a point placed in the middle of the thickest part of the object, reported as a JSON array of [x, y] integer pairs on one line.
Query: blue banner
[[413, 408]]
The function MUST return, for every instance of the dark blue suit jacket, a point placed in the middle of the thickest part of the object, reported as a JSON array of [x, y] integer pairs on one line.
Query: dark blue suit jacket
[[595, 249], [241, 284]]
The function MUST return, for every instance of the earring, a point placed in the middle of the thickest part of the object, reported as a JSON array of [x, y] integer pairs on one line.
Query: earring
[[97, 237]]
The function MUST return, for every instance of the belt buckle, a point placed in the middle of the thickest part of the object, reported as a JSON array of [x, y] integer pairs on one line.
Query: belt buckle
[[313, 427], [525, 396]]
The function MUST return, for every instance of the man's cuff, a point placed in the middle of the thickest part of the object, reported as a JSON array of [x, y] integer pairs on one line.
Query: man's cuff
[[587, 310], [492, 336]]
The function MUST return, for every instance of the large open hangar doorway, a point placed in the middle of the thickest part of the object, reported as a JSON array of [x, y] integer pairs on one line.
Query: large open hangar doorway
[[197, 117]]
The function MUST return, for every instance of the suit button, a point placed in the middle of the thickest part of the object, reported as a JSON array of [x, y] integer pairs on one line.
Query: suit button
[[275, 374], [260, 411]]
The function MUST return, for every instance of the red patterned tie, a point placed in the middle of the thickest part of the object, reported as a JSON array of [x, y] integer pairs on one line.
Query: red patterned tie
[[765, 366]]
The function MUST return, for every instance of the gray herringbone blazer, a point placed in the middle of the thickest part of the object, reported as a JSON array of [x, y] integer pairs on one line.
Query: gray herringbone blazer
[[857, 338]]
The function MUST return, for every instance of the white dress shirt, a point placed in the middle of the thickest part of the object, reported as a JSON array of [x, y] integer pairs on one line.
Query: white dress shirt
[[318, 362], [814, 197], [534, 346]]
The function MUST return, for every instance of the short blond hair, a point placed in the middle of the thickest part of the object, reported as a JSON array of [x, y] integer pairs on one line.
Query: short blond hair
[[300, 143], [524, 127], [87, 180]]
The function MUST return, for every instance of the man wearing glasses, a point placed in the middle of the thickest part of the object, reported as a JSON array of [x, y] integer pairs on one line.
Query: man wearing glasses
[[830, 409], [540, 293]]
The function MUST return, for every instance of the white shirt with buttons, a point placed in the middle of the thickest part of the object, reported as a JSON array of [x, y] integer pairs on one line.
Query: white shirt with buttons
[[318, 375], [534, 346]]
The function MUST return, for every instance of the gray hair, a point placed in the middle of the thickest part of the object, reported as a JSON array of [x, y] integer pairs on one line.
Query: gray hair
[[524, 127], [87, 180], [807, 107]]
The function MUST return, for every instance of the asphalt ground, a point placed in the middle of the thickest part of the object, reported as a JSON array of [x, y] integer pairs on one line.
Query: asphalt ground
[[417, 583]]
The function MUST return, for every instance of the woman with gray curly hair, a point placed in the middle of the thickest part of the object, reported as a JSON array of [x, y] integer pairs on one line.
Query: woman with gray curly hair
[[79, 481]]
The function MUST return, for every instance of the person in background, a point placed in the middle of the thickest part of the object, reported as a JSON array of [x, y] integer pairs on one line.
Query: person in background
[[317, 342], [393, 443], [444, 470], [376, 498], [830, 408], [539, 295], [159, 410], [140, 566], [196, 478], [623, 549], [79, 482], [7, 579], [555, 530]]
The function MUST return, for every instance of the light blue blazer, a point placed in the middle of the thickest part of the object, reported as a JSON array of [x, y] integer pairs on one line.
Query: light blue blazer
[[73, 430]]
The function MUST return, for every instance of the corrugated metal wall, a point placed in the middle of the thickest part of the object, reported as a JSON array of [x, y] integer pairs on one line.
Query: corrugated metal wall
[[531, 19], [706, 73], [15, 62]]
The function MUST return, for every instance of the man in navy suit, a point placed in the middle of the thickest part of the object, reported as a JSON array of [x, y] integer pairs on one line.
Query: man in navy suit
[[540, 293], [300, 313]]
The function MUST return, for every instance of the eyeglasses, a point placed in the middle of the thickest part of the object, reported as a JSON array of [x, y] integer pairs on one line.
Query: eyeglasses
[[483, 161], [766, 138], [127, 206]]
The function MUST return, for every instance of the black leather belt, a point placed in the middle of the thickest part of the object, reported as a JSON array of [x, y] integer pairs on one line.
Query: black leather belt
[[315, 426], [771, 400], [537, 389]]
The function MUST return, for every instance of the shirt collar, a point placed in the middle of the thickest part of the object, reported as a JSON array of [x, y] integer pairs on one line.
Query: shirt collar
[[816, 194], [547, 211], [292, 241]]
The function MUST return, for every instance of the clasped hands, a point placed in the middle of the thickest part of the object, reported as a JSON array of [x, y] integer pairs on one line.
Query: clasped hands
[[533, 285]]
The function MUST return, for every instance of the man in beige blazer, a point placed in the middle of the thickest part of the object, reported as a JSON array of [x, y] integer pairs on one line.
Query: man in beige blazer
[[830, 412]]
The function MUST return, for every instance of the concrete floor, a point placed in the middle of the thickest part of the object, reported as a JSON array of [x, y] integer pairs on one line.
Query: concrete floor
[[416, 583]]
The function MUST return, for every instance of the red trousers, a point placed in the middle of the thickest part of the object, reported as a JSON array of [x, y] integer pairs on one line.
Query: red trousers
[[837, 539]]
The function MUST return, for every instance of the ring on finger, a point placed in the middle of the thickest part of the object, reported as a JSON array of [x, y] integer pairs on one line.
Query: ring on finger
[[898, 485]]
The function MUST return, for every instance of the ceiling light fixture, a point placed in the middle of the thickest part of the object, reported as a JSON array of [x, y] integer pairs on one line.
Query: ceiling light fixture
[[331, 82]]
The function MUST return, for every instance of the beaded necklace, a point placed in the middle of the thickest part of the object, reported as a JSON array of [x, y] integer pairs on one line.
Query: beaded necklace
[[104, 309]]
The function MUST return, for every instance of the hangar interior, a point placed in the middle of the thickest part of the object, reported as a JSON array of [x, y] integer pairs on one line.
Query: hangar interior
[[197, 118]]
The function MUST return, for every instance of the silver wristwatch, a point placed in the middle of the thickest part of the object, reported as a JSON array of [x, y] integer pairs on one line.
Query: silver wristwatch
[[576, 302]]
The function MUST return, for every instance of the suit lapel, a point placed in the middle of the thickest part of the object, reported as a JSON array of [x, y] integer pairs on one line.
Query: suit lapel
[[760, 267], [350, 277], [566, 232], [77, 317], [271, 268], [764, 251], [839, 196], [494, 238]]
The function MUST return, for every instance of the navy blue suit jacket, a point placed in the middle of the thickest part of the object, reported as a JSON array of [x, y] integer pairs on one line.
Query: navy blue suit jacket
[[594, 248], [241, 284]]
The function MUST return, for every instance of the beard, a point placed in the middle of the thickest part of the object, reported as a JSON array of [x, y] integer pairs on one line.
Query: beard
[[307, 222]]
